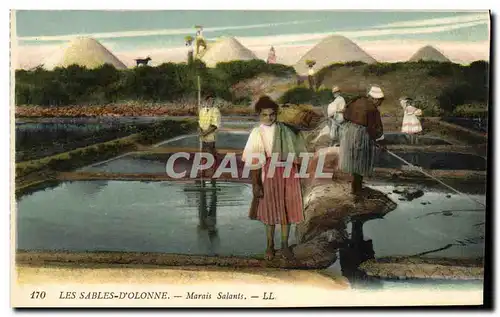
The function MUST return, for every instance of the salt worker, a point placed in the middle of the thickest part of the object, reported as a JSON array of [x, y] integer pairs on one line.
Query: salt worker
[[277, 198], [335, 115], [411, 124], [310, 77], [361, 132], [200, 40], [209, 123]]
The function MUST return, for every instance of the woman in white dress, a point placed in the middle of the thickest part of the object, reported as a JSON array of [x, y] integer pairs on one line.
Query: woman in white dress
[[411, 123]]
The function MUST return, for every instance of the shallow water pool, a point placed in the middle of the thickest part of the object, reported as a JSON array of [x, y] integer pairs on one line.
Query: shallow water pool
[[225, 139], [140, 217], [438, 224]]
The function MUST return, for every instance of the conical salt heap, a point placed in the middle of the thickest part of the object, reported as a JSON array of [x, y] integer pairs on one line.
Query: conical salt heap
[[227, 50], [428, 53], [331, 50], [85, 52]]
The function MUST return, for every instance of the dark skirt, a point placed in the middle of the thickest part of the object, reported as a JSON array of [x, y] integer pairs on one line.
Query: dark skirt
[[357, 149]]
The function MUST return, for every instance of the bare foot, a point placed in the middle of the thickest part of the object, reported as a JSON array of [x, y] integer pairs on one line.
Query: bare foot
[[269, 254], [287, 253]]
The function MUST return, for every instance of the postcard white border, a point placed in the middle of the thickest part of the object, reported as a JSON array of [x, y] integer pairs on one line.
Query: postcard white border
[[260, 4]]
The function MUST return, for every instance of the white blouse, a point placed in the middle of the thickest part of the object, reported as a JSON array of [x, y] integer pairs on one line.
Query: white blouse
[[260, 141]]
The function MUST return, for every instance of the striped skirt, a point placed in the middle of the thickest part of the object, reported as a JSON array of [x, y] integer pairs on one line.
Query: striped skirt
[[357, 150], [282, 201]]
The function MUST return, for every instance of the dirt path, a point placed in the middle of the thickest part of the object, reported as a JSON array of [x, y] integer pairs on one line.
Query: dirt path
[[178, 276]]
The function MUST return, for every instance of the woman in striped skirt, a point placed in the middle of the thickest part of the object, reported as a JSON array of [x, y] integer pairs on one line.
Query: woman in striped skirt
[[361, 130], [277, 197]]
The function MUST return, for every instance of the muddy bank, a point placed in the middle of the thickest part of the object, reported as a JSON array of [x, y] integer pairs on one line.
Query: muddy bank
[[424, 268], [34, 258]]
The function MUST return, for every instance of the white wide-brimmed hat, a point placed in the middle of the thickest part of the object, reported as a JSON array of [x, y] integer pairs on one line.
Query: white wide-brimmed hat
[[376, 92], [335, 89]]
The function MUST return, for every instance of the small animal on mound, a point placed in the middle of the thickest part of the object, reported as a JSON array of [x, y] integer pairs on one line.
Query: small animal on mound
[[142, 61]]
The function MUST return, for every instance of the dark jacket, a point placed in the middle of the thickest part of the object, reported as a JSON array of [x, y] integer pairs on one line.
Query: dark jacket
[[363, 112]]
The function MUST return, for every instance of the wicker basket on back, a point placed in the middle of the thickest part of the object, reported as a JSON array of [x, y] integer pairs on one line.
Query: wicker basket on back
[[301, 117]]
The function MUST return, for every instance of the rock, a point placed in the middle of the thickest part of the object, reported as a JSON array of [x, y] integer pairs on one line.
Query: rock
[[326, 207], [409, 193], [316, 253], [399, 189], [413, 193]]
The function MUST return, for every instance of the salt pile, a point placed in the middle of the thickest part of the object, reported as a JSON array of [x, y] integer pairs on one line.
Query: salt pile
[[227, 50], [84, 52], [428, 53], [333, 49]]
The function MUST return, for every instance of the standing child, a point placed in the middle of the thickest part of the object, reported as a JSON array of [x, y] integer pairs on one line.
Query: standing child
[[411, 124], [278, 198]]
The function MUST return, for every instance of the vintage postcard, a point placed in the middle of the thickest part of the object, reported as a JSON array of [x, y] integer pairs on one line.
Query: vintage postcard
[[249, 158]]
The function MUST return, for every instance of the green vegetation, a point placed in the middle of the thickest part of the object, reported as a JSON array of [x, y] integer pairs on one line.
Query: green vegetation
[[161, 130], [76, 158], [77, 85], [297, 95], [102, 151], [46, 140], [471, 111], [437, 88]]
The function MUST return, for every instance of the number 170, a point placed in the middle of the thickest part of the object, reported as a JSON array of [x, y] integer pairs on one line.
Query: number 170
[[37, 295]]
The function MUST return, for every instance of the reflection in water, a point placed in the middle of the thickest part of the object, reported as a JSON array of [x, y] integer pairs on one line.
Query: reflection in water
[[135, 216], [356, 251], [359, 249], [89, 188], [207, 214]]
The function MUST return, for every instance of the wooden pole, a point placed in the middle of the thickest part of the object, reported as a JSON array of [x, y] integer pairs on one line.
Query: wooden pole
[[199, 92], [199, 109]]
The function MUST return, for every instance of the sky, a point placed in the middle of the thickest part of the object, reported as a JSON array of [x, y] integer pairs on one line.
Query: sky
[[387, 36]]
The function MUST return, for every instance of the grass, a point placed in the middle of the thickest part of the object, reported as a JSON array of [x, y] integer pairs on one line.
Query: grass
[[77, 157], [34, 172], [437, 88]]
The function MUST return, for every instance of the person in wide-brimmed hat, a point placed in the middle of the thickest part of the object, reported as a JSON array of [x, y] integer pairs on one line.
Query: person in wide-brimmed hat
[[361, 131], [335, 115]]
